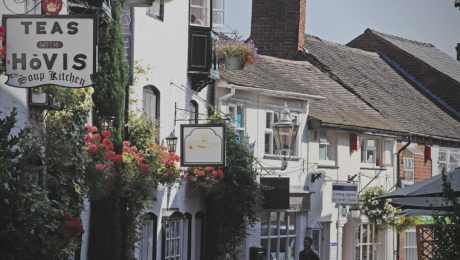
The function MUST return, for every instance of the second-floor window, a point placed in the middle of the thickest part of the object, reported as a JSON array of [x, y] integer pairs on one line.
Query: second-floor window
[[218, 13], [369, 151], [326, 146], [200, 13], [272, 117], [237, 118], [150, 102], [408, 167], [156, 10], [442, 161], [453, 161]]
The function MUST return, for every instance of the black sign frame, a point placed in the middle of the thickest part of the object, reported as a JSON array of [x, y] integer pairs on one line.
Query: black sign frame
[[278, 196]]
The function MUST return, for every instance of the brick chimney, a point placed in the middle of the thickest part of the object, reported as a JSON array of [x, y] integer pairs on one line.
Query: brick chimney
[[456, 48], [278, 27]]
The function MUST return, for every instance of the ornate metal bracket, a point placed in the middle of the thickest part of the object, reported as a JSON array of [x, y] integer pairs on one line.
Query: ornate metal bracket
[[186, 115]]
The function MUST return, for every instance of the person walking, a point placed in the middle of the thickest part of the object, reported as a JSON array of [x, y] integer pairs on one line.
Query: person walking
[[307, 253]]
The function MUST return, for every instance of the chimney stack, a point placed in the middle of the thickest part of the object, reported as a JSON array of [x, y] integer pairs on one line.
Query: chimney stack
[[456, 48], [278, 27]]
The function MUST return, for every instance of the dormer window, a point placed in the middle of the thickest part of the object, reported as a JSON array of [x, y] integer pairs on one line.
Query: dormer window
[[200, 13]]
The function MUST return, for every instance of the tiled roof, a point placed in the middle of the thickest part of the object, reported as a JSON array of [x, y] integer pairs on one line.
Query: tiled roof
[[376, 82], [427, 53], [340, 106]]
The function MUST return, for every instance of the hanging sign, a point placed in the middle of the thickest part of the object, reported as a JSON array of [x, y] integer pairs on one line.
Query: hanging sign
[[50, 50], [202, 145], [277, 197], [52, 6], [345, 193]]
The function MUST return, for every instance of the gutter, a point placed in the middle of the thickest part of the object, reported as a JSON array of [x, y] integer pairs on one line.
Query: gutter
[[364, 130], [278, 93]]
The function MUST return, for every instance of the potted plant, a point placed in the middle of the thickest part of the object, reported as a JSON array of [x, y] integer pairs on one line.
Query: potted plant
[[235, 53]]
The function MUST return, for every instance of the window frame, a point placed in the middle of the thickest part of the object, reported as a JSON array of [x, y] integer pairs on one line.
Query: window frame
[[153, 243], [269, 131], [327, 145], [387, 161], [233, 121], [208, 15], [278, 236], [364, 148], [370, 241], [413, 247], [440, 162], [218, 25], [319, 240], [194, 112], [160, 16], [156, 93], [408, 160], [453, 163]]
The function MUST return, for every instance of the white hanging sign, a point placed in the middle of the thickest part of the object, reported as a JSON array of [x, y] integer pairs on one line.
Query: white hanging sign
[[50, 50], [345, 193]]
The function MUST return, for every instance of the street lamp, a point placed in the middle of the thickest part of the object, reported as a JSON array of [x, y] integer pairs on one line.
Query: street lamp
[[171, 142], [285, 132], [106, 122]]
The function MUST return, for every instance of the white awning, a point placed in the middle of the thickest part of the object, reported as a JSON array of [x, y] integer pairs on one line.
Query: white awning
[[414, 150], [456, 156]]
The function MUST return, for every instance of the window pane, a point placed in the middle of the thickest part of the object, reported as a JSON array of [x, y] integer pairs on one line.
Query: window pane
[[172, 229], [275, 147], [322, 152], [267, 143], [217, 17], [370, 143], [177, 247], [364, 233], [292, 226], [199, 12], [273, 248], [276, 117], [283, 248], [232, 112], [264, 243], [264, 224], [365, 253], [273, 223], [167, 229], [268, 120], [283, 223], [370, 156], [316, 238], [177, 228], [240, 117], [388, 152], [291, 248], [167, 247], [371, 233]]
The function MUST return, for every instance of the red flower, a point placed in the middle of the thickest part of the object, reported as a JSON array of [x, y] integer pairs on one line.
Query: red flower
[[92, 148], [125, 143], [140, 154], [106, 134], [214, 173], [130, 185], [2, 30], [99, 167], [163, 162], [123, 171], [125, 149], [177, 158], [250, 60], [171, 163], [194, 189], [111, 186], [212, 182], [8, 61], [88, 138], [118, 158], [144, 167], [133, 149], [244, 52], [106, 166], [201, 173], [122, 194], [209, 169], [196, 172], [97, 137], [172, 154], [106, 142], [207, 179]]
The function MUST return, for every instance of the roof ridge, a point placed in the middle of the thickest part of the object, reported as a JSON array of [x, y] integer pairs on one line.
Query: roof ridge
[[401, 39], [333, 44]]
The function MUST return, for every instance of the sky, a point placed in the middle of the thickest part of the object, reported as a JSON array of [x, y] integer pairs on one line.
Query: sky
[[340, 21]]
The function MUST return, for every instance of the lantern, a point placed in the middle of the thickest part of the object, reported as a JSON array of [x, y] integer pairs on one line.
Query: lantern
[[285, 132], [106, 122], [171, 142]]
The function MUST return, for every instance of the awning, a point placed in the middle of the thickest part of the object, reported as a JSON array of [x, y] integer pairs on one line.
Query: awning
[[414, 150]]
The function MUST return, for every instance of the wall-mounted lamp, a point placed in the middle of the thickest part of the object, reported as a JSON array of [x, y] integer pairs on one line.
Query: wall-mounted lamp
[[106, 122], [171, 142], [351, 178], [285, 134]]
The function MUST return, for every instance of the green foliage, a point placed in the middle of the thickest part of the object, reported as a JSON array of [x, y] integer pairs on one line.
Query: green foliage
[[379, 212], [206, 179], [446, 227], [236, 207], [405, 222], [37, 185]]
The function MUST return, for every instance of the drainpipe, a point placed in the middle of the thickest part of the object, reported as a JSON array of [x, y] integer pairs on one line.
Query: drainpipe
[[224, 97], [398, 186]]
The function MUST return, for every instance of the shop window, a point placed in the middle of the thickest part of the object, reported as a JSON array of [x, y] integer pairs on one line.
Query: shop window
[[172, 237], [200, 13], [147, 246], [237, 118], [410, 244], [365, 242], [218, 13], [316, 246], [193, 112], [326, 146], [151, 102], [278, 234], [156, 10]]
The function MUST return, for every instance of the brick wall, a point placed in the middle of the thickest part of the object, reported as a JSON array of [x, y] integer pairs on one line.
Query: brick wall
[[278, 26], [438, 83], [422, 171]]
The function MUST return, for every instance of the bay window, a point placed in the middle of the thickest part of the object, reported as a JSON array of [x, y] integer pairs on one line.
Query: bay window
[[278, 234], [200, 13], [218, 13]]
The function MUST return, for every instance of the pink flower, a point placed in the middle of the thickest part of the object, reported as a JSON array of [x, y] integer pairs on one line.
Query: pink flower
[[162, 147], [118, 158], [97, 137], [144, 167], [106, 134], [99, 167], [196, 172], [209, 169], [163, 162], [201, 173], [171, 154], [125, 149], [106, 142], [92, 148], [177, 158], [140, 154], [133, 149], [125, 143], [171, 163], [214, 173]]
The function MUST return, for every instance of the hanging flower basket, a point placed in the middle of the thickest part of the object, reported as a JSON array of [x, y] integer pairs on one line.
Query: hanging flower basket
[[138, 3], [235, 53], [233, 63]]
